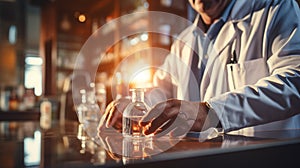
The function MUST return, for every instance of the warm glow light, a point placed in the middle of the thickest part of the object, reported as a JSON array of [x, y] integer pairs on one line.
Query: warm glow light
[[81, 18], [32, 150], [142, 79], [33, 74], [134, 41], [137, 70], [33, 60], [12, 34], [144, 37]]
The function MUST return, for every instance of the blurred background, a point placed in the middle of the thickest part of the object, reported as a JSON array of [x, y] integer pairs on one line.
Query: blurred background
[[40, 40]]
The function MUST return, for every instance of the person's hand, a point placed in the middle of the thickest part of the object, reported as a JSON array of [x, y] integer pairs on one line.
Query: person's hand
[[111, 140], [113, 114], [175, 116]]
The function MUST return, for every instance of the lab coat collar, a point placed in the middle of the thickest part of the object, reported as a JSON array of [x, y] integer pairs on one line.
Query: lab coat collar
[[238, 20], [196, 29], [224, 17], [241, 11]]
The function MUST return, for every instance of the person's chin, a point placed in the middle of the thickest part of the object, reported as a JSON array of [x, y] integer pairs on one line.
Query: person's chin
[[199, 8]]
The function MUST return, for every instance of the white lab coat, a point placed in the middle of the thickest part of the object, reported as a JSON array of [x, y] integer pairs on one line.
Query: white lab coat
[[266, 88]]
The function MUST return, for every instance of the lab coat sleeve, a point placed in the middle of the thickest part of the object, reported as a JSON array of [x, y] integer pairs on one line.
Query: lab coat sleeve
[[277, 96]]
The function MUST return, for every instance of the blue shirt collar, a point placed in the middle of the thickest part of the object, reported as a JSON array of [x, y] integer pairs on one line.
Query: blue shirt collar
[[222, 20], [227, 11]]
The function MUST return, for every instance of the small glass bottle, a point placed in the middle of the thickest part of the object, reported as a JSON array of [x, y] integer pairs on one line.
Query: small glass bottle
[[29, 98], [92, 116], [82, 107], [93, 112], [46, 114], [81, 111], [133, 113], [13, 100]]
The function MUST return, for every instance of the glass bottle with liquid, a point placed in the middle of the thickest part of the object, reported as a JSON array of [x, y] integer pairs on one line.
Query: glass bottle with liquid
[[133, 113]]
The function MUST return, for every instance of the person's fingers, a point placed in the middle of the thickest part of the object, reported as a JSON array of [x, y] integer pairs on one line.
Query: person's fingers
[[102, 140], [180, 129], [160, 110], [165, 129], [118, 126], [167, 115], [110, 115], [116, 112], [167, 125], [176, 126], [108, 108], [102, 122], [105, 116], [101, 125], [116, 118], [155, 112]]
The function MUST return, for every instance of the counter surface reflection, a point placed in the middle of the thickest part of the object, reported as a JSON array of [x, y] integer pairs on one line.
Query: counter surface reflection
[[25, 144]]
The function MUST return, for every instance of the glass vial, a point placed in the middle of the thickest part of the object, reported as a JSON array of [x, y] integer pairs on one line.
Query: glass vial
[[81, 111], [46, 114], [92, 116], [82, 108], [133, 114]]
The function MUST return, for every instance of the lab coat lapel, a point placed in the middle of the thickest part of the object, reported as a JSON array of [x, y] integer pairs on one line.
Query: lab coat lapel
[[188, 50], [187, 55], [237, 17], [186, 60], [226, 37]]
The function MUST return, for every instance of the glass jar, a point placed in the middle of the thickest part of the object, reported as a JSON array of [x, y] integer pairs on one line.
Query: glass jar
[[133, 113]]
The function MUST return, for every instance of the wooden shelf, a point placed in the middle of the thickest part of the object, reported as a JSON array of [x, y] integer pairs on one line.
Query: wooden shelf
[[67, 42], [15, 115]]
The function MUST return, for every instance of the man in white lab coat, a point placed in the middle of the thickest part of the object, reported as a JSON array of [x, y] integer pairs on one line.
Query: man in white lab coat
[[247, 72]]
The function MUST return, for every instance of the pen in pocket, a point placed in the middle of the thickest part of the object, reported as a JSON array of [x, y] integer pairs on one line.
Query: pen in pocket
[[233, 59]]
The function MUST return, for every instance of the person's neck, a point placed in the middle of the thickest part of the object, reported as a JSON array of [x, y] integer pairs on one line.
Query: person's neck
[[207, 19], [210, 18]]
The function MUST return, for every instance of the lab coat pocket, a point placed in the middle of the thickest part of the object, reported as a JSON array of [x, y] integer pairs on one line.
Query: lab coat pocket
[[246, 73]]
